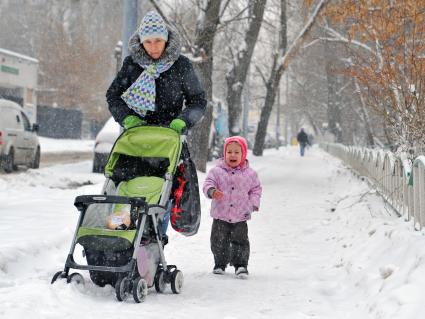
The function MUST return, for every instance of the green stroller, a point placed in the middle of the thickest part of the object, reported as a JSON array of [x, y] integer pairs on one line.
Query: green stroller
[[120, 230]]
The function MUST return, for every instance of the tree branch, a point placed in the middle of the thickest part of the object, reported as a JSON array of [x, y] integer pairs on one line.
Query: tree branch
[[261, 74], [293, 49]]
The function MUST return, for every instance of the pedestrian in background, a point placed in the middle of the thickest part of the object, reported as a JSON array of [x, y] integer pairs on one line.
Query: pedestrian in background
[[303, 141]]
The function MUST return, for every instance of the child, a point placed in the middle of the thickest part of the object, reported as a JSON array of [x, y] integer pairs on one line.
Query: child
[[235, 191]]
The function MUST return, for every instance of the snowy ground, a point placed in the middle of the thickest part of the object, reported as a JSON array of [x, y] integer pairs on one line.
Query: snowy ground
[[323, 245]]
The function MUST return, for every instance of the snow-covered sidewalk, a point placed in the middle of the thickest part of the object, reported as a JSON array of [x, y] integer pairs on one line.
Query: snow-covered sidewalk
[[323, 245]]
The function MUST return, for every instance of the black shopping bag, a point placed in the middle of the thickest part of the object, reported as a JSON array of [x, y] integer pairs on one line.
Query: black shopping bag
[[186, 210]]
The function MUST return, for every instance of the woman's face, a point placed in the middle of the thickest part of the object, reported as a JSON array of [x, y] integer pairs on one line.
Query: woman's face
[[154, 47], [233, 154]]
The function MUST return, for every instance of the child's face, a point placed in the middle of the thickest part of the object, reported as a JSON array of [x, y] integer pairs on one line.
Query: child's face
[[233, 154]]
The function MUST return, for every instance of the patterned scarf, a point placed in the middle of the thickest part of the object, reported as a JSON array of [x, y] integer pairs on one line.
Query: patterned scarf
[[140, 96]]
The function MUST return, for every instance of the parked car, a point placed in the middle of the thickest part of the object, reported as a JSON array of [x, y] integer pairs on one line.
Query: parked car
[[105, 139], [19, 144]]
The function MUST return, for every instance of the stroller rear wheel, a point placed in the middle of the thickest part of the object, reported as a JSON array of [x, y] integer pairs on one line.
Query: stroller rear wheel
[[122, 288], [140, 289], [177, 281]]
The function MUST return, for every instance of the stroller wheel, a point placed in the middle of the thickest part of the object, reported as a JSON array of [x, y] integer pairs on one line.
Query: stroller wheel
[[140, 289], [122, 288], [59, 274], [177, 281], [75, 278], [159, 281]]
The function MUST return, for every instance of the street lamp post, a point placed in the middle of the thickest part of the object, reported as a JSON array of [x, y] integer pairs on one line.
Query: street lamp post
[[118, 54], [129, 23]]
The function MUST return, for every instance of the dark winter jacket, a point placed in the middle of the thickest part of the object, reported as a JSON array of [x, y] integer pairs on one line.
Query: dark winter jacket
[[175, 88], [302, 138]]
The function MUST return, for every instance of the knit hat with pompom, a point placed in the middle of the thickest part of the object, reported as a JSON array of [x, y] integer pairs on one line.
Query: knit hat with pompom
[[152, 26]]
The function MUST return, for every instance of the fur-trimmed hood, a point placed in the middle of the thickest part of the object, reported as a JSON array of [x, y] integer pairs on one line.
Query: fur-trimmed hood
[[170, 54]]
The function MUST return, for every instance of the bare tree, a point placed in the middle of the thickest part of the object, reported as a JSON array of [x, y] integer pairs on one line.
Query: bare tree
[[74, 42], [334, 99], [72, 67], [236, 76], [204, 41], [364, 116]]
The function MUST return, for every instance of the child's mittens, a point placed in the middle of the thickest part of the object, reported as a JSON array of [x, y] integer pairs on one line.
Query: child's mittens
[[217, 194]]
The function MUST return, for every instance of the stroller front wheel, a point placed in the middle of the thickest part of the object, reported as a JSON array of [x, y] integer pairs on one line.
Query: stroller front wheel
[[59, 274], [140, 289], [75, 278], [122, 288], [159, 281]]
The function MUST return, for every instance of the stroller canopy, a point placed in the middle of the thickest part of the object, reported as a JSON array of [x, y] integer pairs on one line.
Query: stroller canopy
[[146, 142]]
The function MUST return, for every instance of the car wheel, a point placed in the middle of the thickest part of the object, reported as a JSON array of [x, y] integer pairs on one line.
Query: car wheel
[[36, 160], [97, 164], [9, 161]]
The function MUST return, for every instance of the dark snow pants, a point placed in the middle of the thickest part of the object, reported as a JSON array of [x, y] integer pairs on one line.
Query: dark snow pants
[[230, 243]]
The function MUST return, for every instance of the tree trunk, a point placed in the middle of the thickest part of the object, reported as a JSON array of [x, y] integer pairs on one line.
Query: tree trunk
[[365, 116], [205, 33], [316, 128], [260, 135], [237, 75], [333, 111], [272, 85]]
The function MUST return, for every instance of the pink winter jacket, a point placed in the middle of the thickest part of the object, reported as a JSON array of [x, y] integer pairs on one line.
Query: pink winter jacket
[[241, 188]]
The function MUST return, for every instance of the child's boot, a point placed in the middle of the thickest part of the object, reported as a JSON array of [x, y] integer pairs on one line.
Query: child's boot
[[241, 272], [219, 270]]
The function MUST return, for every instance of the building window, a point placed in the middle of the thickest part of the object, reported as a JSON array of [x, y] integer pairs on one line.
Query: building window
[[29, 96]]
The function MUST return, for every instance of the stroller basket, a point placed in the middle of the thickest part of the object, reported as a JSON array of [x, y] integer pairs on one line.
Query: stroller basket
[[113, 240]]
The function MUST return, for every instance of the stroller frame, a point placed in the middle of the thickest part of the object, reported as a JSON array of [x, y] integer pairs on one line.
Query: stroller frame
[[129, 280]]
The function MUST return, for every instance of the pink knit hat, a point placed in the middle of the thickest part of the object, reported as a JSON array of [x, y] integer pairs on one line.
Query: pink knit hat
[[241, 141]]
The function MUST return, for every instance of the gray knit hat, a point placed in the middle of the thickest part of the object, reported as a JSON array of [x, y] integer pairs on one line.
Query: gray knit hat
[[152, 26]]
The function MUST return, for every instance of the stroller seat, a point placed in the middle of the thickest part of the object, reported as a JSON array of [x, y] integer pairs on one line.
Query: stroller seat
[[94, 233]]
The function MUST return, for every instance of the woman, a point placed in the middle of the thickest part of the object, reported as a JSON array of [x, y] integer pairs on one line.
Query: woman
[[155, 81]]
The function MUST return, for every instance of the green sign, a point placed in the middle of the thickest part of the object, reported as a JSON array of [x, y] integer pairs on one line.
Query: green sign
[[8, 69]]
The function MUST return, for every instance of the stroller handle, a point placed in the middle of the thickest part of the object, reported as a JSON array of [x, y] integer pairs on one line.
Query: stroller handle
[[183, 134], [84, 200]]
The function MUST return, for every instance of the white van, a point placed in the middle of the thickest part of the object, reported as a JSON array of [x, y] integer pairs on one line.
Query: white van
[[19, 143]]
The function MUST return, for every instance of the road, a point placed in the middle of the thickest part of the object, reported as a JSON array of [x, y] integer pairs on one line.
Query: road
[[53, 158], [49, 159]]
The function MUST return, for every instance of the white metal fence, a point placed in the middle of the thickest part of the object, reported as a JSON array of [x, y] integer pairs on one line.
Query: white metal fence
[[400, 182]]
